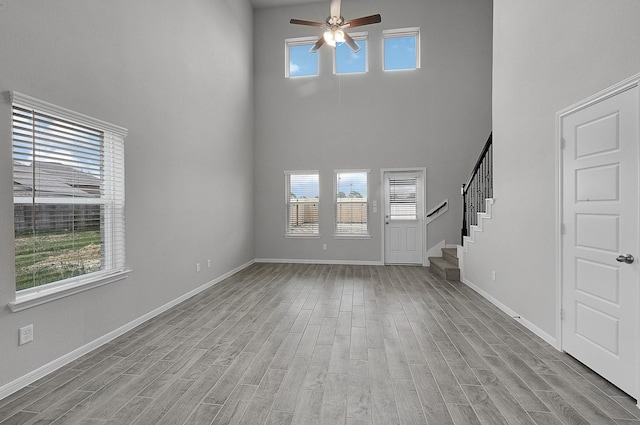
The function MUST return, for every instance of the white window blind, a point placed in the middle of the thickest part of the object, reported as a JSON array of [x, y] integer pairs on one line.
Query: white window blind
[[68, 182], [403, 198], [351, 207], [302, 200]]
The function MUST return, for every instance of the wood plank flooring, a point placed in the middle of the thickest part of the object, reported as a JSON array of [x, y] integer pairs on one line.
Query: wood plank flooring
[[320, 344]]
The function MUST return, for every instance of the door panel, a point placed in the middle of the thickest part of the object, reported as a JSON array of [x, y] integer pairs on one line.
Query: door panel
[[600, 215], [598, 328], [598, 280], [598, 184]]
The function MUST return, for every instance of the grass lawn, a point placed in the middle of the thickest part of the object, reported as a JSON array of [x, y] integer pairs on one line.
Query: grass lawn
[[48, 257]]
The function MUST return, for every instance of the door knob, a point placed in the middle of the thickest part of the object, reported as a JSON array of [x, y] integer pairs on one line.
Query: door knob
[[625, 258]]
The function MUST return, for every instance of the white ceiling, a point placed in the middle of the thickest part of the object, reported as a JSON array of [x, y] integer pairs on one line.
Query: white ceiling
[[272, 3]]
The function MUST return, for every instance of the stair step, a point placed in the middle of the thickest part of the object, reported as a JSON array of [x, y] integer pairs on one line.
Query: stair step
[[444, 268], [451, 255]]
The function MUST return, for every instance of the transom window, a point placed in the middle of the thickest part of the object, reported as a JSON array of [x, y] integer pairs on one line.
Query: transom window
[[348, 62], [401, 49], [68, 188], [302, 200], [300, 61], [351, 203]]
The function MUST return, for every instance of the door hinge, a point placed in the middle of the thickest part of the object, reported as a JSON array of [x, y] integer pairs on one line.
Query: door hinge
[[563, 229], [562, 314], [563, 143]]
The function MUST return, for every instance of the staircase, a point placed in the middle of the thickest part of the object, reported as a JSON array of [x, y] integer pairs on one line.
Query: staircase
[[478, 188], [446, 266]]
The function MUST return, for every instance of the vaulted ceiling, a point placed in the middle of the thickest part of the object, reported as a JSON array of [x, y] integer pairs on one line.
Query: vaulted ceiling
[[272, 3]]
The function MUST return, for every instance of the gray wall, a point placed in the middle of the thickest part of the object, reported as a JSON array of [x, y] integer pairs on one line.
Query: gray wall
[[178, 75], [437, 117], [548, 55]]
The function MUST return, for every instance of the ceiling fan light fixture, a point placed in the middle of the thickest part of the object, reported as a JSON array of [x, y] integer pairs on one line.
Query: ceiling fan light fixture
[[334, 26], [330, 38]]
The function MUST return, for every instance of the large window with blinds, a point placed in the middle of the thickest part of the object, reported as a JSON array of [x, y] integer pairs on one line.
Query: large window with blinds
[[351, 205], [302, 198], [68, 188]]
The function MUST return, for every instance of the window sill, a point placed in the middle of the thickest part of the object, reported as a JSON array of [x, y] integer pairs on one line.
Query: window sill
[[351, 236], [298, 236], [36, 297]]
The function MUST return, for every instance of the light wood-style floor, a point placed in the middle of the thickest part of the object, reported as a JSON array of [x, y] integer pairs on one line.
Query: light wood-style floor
[[321, 344]]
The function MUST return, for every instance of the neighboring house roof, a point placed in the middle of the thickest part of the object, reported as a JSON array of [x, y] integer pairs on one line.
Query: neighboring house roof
[[54, 179]]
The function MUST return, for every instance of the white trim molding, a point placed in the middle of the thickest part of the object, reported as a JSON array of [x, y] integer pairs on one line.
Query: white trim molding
[[328, 262], [527, 324], [43, 294]]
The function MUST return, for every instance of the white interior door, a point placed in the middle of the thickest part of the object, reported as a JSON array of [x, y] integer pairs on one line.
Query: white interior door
[[404, 217], [600, 221]]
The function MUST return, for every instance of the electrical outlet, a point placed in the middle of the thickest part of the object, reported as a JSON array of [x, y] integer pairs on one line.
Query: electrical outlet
[[324, 246], [208, 264], [493, 276], [197, 267], [26, 334]]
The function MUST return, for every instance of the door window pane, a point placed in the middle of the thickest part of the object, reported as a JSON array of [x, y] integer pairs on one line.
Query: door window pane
[[403, 198]]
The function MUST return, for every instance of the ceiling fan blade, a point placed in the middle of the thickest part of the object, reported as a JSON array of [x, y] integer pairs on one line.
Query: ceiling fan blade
[[335, 8], [318, 45], [351, 43], [307, 23], [366, 20]]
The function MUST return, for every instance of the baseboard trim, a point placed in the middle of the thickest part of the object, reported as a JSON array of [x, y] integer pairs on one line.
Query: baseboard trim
[[336, 262], [31, 377], [527, 324]]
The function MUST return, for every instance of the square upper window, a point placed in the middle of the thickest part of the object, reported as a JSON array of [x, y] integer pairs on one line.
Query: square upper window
[[300, 62], [349, 62], [401, 49]]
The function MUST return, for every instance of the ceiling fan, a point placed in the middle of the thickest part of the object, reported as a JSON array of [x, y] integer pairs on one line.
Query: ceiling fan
[[334, 28]]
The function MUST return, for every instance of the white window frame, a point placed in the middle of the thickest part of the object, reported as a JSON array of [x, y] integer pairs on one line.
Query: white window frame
[[287, 201], [298, 41], [357, 36], [114, 269], [337, 235], [402, 32]]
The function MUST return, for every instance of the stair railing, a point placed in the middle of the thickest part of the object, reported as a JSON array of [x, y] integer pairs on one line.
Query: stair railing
[[478, 188]]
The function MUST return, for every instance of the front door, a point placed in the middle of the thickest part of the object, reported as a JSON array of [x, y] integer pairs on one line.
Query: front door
[[404, 217], [600, 244]]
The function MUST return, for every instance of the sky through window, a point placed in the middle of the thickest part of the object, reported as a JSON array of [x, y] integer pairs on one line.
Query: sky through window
[[349, 62], [400, 53], [302, 63]]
